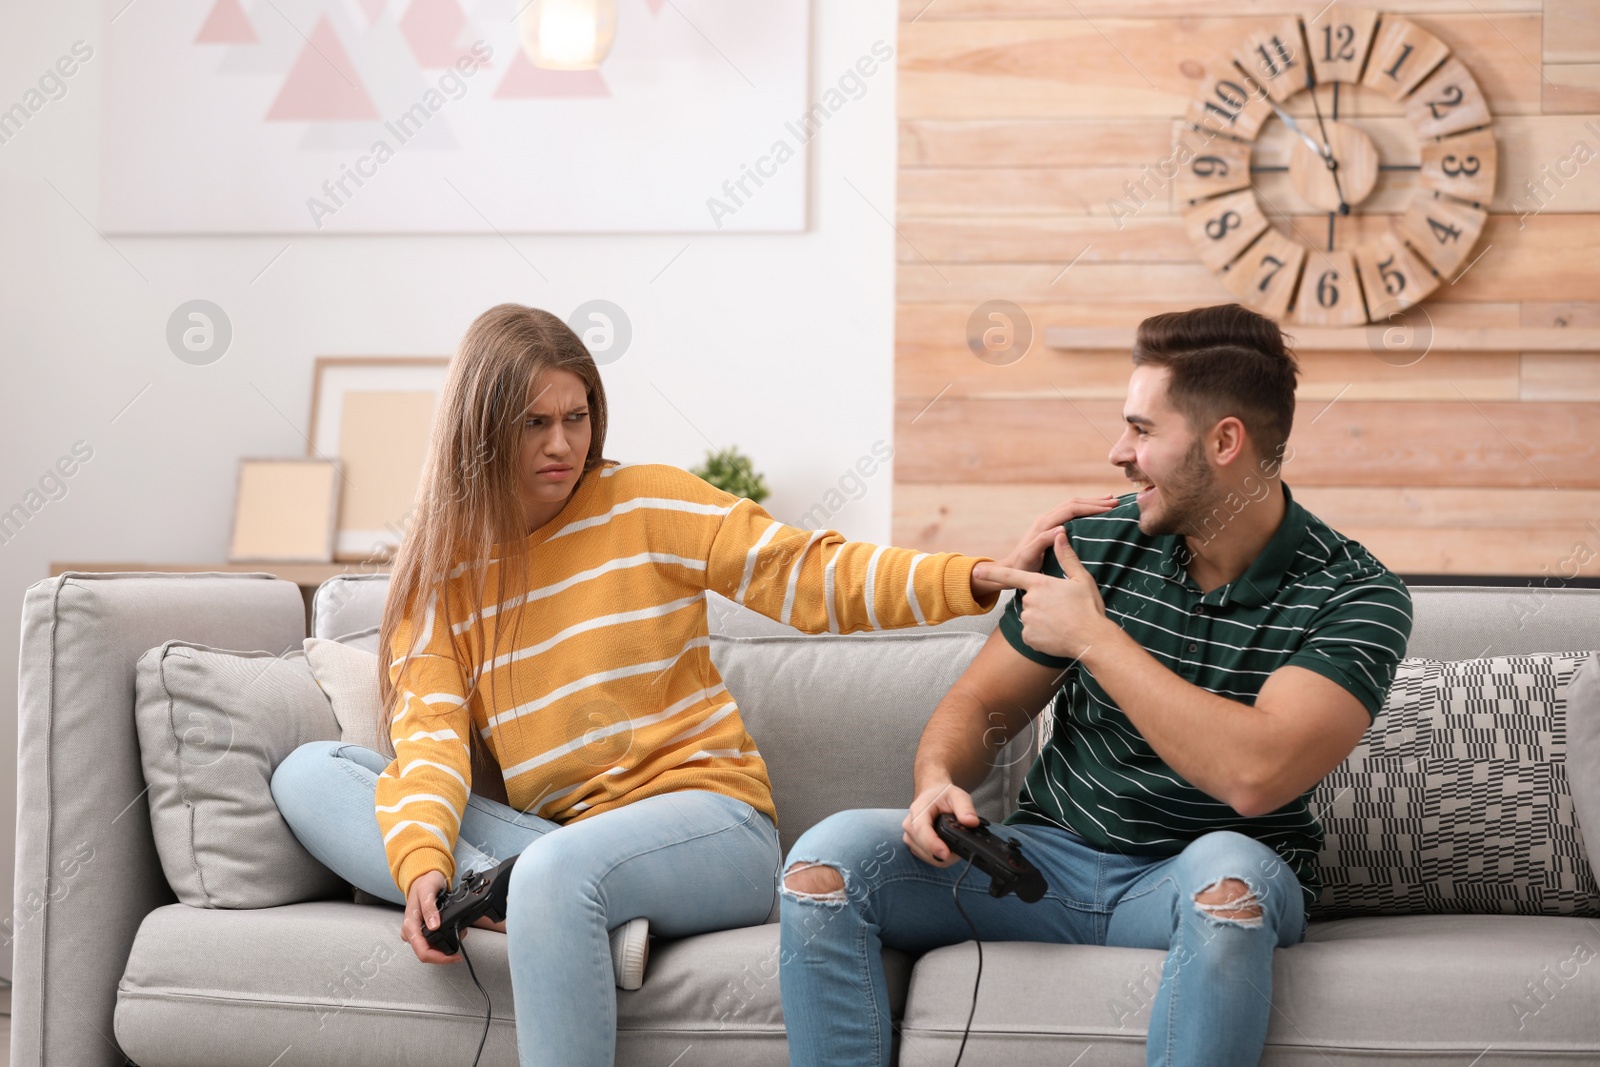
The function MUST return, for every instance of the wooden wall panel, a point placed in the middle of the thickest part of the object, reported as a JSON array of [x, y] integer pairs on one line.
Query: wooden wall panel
[[1571, 31], [1546, 253], [1045, 374], [1030, 135], [982, 166], [944, 10], [1345, 443], [1545, 257], [1011, 68], [1414, 530], [1559, 376], [1571, 87]]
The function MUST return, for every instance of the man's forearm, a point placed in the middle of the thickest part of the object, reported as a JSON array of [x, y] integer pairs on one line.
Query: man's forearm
[[1220, 746], [959, 743]]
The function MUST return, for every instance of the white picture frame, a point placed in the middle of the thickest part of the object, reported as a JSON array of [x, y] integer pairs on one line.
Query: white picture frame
[[265, 116], [284, 511], [374, 415]]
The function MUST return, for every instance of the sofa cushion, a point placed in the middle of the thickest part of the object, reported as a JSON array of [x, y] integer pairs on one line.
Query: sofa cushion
[[348, 674], [1458, 798], [330, 982], [347, 603], [838, 717], [1500, 990], [1583, 751], [346, 669], [213, 725]]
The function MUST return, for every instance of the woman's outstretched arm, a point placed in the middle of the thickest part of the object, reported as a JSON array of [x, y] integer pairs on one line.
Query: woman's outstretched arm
[[816, 581]]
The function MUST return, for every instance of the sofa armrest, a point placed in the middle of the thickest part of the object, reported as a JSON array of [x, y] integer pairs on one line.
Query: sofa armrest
[[87, 872]]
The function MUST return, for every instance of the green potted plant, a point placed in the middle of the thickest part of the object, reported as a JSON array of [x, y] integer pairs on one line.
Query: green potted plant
[[733, 472]]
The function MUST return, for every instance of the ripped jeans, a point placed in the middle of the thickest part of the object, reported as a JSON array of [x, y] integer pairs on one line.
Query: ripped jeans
[[1212, 1004]]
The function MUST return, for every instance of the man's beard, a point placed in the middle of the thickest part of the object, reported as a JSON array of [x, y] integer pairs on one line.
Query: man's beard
[[1187, 496]]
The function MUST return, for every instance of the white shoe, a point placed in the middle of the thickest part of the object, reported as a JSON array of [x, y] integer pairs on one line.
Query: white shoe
[[630, 949]]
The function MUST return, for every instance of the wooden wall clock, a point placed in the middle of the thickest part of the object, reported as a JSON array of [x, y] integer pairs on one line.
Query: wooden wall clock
[[1285, 269]]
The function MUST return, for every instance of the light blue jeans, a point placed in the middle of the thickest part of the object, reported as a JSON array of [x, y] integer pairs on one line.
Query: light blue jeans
[[1211, 1001], [691, 862]]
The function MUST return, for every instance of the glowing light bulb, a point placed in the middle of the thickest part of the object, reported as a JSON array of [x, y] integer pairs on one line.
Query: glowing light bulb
[[568, 34]]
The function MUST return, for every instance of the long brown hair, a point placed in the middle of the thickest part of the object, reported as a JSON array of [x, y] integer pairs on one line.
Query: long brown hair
[[468, 502]]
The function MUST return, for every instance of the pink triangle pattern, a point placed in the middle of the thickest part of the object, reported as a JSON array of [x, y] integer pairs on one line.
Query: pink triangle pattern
[[656, 6], [524, 81], [323, 85], [227, 24], [431, 28], [373, 8]]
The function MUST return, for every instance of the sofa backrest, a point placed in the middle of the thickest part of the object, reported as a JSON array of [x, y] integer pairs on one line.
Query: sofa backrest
[[837, 718], [1471, 622], [1451, 621], [87, 871]]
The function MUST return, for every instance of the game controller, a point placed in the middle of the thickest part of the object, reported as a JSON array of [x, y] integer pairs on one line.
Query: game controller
[[476, 893], [1000, 858]]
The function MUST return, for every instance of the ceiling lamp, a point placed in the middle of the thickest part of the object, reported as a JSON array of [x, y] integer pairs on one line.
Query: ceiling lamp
[[568, 34]]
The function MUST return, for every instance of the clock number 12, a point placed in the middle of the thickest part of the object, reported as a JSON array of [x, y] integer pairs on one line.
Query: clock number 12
[[1347, 43]]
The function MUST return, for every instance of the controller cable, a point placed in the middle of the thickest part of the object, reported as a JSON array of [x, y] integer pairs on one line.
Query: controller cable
[[487, 1006], [955, 896]]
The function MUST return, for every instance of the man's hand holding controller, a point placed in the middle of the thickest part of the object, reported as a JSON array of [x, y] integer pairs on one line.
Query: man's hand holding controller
[[932, 801]]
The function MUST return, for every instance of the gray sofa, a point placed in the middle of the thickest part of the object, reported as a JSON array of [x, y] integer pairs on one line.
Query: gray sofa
[[108, 965]]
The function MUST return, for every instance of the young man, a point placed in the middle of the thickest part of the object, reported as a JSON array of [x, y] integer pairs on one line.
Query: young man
[[1212, 649]]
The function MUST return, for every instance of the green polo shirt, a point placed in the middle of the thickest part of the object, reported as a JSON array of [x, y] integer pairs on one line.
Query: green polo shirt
[[1311, 599]]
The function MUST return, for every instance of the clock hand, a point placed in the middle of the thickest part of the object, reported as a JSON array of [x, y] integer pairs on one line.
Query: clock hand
[[1323, 151], [1294, 127], [1333, 165]]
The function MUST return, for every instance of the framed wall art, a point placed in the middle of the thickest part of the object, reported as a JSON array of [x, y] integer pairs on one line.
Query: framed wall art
[[374, 416], [428, 116], [284, 511]]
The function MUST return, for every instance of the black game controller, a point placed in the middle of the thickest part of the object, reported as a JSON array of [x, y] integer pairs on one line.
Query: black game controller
[[476, 893], [1000, 858]]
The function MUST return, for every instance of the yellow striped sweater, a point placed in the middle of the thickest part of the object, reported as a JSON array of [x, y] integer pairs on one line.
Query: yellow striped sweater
[[601, 690]]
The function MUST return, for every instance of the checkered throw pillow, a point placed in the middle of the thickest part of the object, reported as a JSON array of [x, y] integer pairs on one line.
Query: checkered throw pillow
[[1457, 798]]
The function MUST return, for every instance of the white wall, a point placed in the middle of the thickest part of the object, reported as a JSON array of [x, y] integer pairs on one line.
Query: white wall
[[779, 344]]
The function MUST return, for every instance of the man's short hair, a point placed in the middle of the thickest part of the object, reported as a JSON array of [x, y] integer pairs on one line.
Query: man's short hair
[[1224, 360]]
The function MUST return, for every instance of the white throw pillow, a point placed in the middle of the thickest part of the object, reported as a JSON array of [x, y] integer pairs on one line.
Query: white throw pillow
[[349, 676]]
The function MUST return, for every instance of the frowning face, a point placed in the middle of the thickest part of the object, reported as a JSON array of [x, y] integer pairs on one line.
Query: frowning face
[[555, 442]]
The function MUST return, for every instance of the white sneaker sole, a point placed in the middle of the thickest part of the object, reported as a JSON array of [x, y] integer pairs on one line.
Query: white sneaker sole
[[630, 950]]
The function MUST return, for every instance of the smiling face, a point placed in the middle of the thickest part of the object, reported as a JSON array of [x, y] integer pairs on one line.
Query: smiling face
[[555, 442], [1163, 456]]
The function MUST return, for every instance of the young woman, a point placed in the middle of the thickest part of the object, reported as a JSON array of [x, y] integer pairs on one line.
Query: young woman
[[546, 630]]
